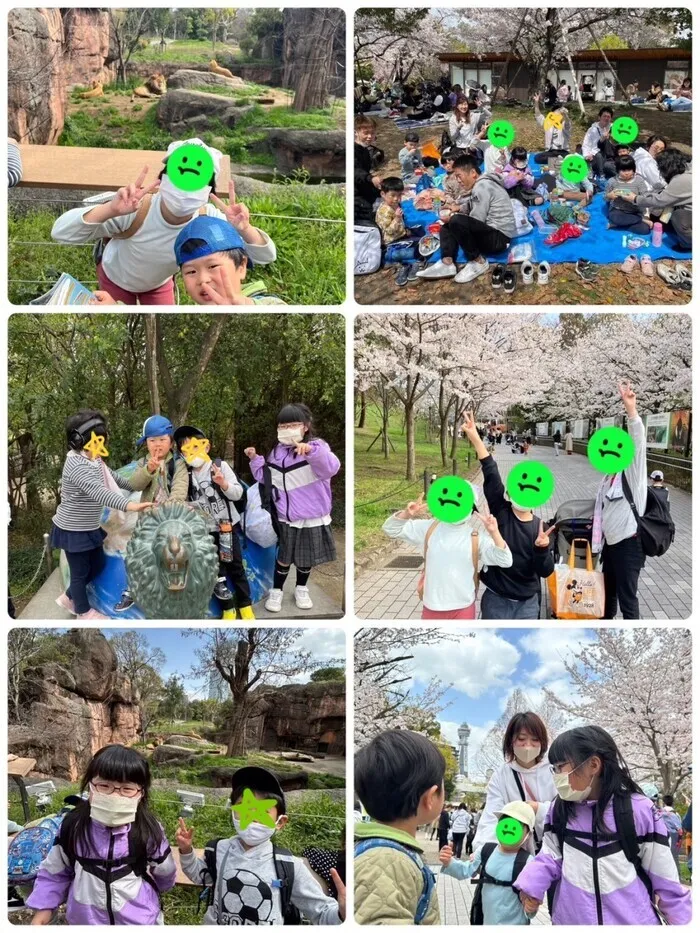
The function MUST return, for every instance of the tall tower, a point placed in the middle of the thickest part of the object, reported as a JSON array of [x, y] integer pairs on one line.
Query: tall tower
[[463, 733]]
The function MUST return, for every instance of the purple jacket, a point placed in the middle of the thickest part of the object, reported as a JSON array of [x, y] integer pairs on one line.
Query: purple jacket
[[302, 483], [510, 179], [597, 881], [96, 896]]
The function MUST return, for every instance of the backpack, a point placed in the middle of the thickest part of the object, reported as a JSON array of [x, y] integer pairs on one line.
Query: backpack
[[368, 249], [428, 877], [241, 504], [626, 835], [267, 498], [655, 528], [29, 848], [476, 916], [259, 527], [284, 868]]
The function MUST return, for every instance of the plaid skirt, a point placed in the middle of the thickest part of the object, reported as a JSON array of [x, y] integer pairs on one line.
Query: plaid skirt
[[306, 547]]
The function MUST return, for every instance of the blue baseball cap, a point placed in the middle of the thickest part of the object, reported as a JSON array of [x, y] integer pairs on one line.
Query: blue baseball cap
[[155, 426], [218, 235]]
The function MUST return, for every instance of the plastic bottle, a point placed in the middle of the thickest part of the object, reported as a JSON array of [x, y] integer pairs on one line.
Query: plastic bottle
[[537, 217], [225, 541], [657, 233]]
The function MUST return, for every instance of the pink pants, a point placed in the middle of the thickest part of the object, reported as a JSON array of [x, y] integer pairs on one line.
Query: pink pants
[[468, 613], [163, 295]]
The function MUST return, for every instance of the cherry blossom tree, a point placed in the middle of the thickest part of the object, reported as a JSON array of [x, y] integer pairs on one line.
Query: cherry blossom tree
[[401, 44], [636, 683], [383, 680]]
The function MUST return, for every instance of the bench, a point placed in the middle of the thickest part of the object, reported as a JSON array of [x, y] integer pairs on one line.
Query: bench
[[96, 169]]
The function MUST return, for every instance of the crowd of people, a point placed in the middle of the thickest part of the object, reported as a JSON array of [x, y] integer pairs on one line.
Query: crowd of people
[[564, 824], [478, 197], [177, 467]]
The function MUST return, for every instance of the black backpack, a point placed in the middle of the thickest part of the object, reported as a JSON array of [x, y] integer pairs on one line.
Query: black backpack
[[655, 528], [625, 835], [192, 494], [283, 868], [267, 498], [476, 916]]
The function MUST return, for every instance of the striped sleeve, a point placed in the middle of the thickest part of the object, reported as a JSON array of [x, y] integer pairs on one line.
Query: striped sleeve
[[83, 477], [14, 165]]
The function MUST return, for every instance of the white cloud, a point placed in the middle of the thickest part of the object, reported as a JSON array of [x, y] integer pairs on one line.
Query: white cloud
[[323, 643], [472, 665], [552, 647]]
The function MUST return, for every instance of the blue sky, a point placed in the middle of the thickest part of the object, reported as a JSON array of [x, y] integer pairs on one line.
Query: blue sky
[[486, 668]]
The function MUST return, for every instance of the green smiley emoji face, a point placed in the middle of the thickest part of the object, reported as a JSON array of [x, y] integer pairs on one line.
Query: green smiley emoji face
[[624, 130], [509, 832], [190, 168], [574, 168], [530, 484], [501, 133], [611, 450], [450, 499]]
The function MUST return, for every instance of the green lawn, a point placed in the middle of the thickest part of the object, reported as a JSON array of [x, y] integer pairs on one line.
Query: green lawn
[[185, 52], [385, 480]]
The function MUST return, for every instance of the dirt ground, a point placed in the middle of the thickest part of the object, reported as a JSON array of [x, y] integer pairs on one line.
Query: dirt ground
[[565, 287]]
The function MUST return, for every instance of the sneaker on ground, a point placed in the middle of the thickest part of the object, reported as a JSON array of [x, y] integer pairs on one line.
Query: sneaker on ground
[[415, 268], [439, 270], [543, 271], [221, 590], [273, 603], [302, 598], [586, 270], [527, 270], [509, 281], [402, 276], [90, 616], [126, 602], [65, 602], [497, 275], [246, 612], [471, 271]]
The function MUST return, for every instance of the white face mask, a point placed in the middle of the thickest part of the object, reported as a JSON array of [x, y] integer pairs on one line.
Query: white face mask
[[527, 753], [290, 436], [566, 791], [196, 462], [254, 833], [113, 809], [183, 203]]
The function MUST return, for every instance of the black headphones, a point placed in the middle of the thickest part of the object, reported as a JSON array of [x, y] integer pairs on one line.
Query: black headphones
[[76, 438]]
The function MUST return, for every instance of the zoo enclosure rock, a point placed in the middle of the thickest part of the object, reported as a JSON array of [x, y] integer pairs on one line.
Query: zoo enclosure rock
[[89, 51], [320, 152], [309, 717], [186, 740], [186, 79], [183, 111], [173, 754], [75, 708]]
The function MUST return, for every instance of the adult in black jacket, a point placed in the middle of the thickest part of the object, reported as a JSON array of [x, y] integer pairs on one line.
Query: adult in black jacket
[[366, 182], [513, 592], [443, 826]]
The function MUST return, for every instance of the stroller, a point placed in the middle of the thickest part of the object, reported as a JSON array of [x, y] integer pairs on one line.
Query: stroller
[[574, 520]]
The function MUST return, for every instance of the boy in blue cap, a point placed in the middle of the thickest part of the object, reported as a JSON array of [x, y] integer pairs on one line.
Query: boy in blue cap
[[159, 476], [214, 258]]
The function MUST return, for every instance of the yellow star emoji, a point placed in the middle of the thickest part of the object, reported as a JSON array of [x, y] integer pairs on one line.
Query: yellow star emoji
[[96, 446], [195, 447], [554, 121], [251, 810]]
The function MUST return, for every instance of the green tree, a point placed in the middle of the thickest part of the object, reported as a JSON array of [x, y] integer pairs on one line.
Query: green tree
[[174, 703], [328, 673], [27, 648], [263, 24], [204, 710], [451, 766]]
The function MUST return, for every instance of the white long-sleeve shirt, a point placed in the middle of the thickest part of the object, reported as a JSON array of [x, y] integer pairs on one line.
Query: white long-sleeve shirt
[[618, 519], [648, 169], [462, 821], [462, 132], [449, 567], [589, 146], [147, 259], [538, 785], [210, 497]]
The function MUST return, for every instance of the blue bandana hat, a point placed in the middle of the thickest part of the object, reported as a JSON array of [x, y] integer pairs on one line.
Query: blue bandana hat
[[218, 235]]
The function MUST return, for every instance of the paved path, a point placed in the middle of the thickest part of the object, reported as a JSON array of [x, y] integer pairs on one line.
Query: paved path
[[456, 896], [665, 582]]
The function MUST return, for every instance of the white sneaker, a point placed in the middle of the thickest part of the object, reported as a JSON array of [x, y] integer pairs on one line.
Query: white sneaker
[[302, 598], [527, 270], [471, 271], [543, 271], [273, 603], [438, 270]]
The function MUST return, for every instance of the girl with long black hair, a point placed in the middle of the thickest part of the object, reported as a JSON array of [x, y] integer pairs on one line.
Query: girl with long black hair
[[111, 860], [605, 844]]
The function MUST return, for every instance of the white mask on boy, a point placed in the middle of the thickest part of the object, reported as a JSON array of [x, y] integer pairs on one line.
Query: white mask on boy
[[196, 462], [183, 203], [254, 833]]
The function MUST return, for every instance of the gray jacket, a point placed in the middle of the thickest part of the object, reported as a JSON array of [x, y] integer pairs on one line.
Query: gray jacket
[[677, 193], [489, 202]]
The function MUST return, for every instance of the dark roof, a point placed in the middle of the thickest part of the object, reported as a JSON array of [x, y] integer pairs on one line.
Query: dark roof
[[586, 55]]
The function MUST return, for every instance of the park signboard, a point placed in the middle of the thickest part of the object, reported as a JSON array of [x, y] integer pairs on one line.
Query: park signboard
[[606, 422], [657, 430], [559, 426], [679, 433], [580, 429], [542, 428]]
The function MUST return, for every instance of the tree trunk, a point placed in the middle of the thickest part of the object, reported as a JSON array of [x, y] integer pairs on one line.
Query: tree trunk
[[152, 363], [410, 443], [27, 450], [363, 410], [567, 52], [455, 430], [309, 35], [619, 83], [236, 741]]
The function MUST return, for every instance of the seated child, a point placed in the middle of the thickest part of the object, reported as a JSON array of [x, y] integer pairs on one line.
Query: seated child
[[400, 779], [136, 231], [573, 191], [214, 259], [452, 186], [213, 489], [500, 863], [495, 157], [518, 179], [410, 157], [251, 856], [622, 212], [389, 216]]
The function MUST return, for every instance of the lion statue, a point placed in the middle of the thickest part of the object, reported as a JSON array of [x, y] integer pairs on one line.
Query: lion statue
[[218, 70], [172, 563], [156, 86], [97, 90]]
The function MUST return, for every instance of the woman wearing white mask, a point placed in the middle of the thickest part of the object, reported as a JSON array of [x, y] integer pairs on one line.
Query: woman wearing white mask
[[281, 886], [605, 845], [135, 231], [115, 824], [524, 775]]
